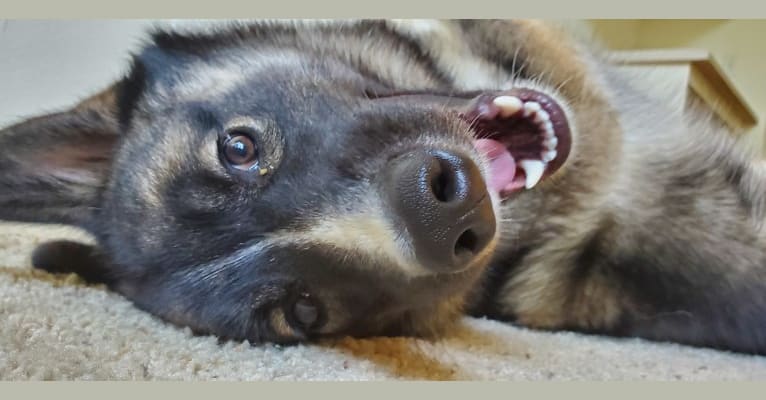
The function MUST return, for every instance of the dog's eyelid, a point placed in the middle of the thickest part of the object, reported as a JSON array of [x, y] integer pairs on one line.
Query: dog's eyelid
[[252, 125]]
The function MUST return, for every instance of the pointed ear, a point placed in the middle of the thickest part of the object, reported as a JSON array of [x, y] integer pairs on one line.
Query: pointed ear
[[53, 167]]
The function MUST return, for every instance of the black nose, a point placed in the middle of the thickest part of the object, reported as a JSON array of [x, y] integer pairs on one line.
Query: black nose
[[442, 201]]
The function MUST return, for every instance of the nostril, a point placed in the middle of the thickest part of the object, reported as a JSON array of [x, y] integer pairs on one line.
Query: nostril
[[466, 244], [440, 202], [443, 182]]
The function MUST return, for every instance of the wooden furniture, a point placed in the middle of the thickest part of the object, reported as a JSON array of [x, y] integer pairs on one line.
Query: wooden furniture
[[691, 77]]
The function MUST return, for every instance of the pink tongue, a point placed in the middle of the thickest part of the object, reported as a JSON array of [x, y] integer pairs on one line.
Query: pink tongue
[[502, 166]]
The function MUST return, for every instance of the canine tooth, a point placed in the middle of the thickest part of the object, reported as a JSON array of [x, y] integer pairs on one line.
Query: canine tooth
[[548, 155], [534, 171], [509, 105], [542, 117], [531, 107]]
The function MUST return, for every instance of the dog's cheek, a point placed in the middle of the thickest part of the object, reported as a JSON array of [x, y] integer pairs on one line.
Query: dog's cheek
[[202, 307]]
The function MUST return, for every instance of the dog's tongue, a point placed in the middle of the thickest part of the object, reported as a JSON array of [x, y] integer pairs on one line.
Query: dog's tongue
[[502, 165]]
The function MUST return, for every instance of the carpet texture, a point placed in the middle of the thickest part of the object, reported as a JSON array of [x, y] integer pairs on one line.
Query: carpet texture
[[56, 327]]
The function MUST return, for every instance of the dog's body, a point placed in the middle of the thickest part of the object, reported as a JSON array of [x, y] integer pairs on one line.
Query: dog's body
[[646, 223]]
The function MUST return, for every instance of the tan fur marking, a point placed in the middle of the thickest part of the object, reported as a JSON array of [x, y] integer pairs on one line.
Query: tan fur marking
[[544, 296], [368, 234], [280, 325]]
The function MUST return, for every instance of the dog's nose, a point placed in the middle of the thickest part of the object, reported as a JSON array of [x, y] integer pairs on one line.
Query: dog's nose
[[443, 202]]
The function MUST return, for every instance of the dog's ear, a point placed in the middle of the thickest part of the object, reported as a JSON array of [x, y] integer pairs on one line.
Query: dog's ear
[[53, 167]]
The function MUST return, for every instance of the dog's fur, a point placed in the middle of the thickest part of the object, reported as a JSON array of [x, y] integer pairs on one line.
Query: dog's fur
[[652, 228]]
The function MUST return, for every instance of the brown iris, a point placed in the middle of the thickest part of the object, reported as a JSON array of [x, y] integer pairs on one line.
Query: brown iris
[[240, 151]]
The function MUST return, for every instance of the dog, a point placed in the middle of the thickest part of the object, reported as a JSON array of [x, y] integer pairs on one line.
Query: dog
[[284, 181]]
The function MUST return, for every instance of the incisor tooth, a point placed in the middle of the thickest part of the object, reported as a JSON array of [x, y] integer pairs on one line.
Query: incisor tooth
[[531, 107], [509, 105], [542, 116], [534, 171]]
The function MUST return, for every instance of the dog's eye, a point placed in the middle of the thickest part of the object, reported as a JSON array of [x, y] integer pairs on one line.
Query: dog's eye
[[240, 150], [306, 311]]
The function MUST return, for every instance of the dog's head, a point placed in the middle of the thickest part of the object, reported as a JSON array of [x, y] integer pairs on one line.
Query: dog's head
[[271, 184]]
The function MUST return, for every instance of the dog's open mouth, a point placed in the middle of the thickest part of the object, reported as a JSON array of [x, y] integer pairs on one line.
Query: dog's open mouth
[[525, 135], [523, 132]]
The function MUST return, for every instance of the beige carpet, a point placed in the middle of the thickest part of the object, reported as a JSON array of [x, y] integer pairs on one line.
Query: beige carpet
[[57, 328]]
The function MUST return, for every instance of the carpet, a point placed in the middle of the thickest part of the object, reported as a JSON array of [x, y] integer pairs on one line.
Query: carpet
[[55, 327]]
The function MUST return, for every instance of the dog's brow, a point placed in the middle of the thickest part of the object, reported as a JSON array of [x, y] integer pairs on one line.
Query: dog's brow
[[202, 115]]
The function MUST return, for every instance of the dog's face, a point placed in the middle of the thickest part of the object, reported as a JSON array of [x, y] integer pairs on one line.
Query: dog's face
[[264, 197], [265, 193]]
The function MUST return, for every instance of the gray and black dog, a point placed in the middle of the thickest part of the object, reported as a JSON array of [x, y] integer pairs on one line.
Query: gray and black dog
[[291, 180]]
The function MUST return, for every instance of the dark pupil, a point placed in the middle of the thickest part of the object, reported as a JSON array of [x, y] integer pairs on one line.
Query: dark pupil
[[240, 150], [305, 312]]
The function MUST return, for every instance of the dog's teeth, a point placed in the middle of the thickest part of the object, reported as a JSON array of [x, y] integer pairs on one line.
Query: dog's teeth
[[549, 135], [542, 117], [531, 107], [534, 171], [548, 155], [509, 105], [548, 127], [551, 142]]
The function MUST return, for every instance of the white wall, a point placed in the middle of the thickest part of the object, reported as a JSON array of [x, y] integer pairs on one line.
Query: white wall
[[47, 65], [739, 45]]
